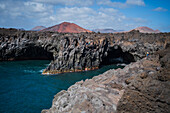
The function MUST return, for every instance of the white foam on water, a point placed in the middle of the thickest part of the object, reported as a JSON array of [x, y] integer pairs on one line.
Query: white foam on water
[[29, 71], [41, 70], [121, 64], [47, 65]]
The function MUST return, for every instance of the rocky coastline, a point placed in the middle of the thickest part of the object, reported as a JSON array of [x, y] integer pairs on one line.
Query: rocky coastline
[[142, 86], [72, 52]]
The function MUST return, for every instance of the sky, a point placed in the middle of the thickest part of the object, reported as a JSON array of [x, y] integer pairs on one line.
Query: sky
[[89, 14]]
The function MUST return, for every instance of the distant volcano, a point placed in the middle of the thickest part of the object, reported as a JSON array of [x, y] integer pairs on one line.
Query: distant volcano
[[66, 27], [107, 30], [146, 30], [38, 28]]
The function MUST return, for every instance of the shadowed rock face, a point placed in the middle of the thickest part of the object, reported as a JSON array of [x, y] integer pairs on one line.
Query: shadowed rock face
[[78, 52], [17, 45]]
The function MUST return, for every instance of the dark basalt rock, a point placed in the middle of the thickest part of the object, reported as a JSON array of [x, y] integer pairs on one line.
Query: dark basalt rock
[[77, 52], [149, 92]]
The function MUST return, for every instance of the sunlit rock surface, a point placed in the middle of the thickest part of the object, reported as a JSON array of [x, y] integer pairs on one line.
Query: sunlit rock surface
[[143, 86]]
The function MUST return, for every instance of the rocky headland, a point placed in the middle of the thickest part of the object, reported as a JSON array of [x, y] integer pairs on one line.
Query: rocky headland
[[142, 86], [72, 52]]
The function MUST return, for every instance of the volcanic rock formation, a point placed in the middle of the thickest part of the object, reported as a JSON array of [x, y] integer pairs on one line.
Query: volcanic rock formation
[[148, 91], [66, 27], [141, 87], [78, 52]]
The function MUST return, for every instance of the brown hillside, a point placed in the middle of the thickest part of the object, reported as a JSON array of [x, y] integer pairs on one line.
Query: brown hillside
[[66, 27]]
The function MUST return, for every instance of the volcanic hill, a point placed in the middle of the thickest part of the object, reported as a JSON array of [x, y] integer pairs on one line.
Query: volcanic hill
[[146, 30], [106, 30], [66, 27], [38, 28]]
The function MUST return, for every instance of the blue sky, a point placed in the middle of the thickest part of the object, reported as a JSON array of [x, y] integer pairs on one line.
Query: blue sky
[[90, 14]]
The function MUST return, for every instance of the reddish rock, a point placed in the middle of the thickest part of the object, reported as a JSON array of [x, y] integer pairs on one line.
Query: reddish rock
[[146, 30], [66, 27]]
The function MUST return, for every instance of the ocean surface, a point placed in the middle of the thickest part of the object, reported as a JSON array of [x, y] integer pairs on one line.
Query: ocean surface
[[24, 90]]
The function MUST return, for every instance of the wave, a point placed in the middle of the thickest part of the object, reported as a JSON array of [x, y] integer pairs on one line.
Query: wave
[[121, 64], [41, 70], [29, 71]]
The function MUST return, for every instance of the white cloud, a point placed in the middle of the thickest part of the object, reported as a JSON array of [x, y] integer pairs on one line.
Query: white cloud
[[139, 20], [120, 4], [30, 13], [2, 6], [108, 10], [92, 19], [112, 4], [37, 10], [14, 9], [67, 2], [160, 9], [23, 14], [135, 2], [37, 7]]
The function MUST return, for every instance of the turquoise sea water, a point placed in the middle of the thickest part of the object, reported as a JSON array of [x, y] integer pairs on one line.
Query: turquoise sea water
[[24, 89]]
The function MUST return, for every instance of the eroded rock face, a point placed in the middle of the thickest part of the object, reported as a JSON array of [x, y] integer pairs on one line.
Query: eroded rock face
[[99, 94], [140, 87], [23, 45], [149, 92], [78, 52]]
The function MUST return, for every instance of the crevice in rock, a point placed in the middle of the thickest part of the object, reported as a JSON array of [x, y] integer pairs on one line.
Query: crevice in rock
[[29, 53], [116, 55]]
